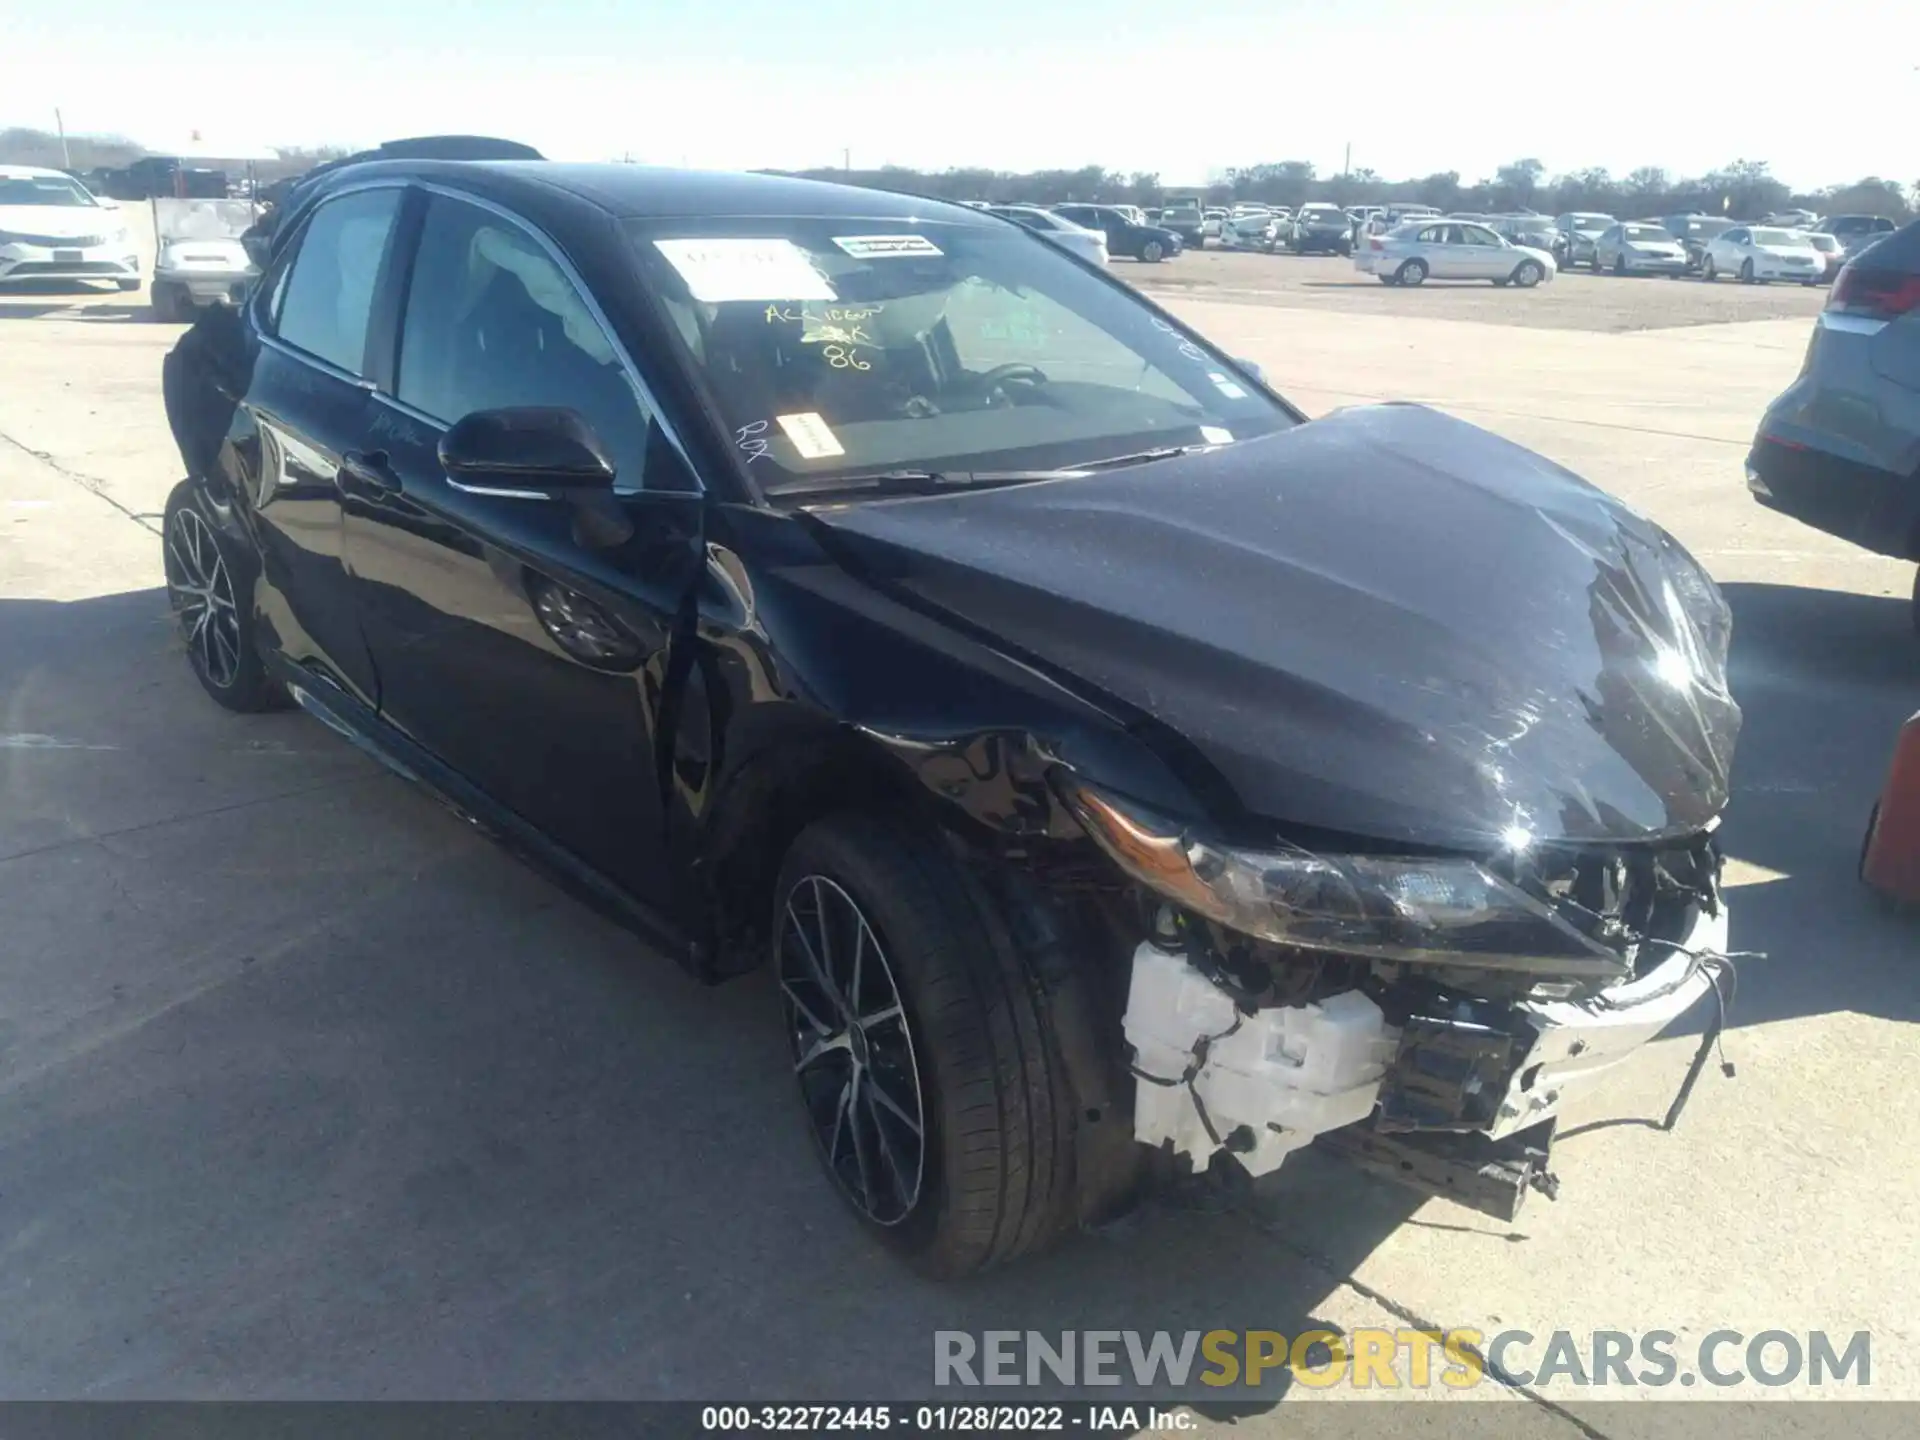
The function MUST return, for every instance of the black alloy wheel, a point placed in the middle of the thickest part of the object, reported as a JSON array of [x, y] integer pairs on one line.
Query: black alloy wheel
[[926, 1053], [210, 588], [200, 590], [852, 1050]]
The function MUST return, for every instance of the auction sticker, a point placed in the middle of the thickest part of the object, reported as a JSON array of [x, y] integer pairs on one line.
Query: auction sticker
[[1225, 386], [811, 435], [872, 247], [1214, 435], [733, 268]]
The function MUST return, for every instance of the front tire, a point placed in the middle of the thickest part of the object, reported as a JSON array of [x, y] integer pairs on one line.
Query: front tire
[[1528, 275], [1709, 272], [1151, 253], [1746, 272], [929, 1070], [127, 286], [210, 576]]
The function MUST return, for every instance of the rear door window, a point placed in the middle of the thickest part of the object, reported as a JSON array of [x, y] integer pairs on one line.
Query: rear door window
[[327, 300]]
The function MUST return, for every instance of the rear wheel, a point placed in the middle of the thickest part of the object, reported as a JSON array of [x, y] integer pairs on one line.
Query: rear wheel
[[169, 303], [926, 1055], [210, 578], [1413, 272]]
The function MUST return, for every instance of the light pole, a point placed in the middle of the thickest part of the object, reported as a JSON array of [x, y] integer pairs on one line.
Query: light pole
[[66, 160]]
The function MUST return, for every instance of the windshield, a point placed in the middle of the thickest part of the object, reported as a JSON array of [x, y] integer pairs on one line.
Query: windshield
[[1591, 224], [1322, 212], [1702, 229], [202, 219], [1650, 233], [1824, 243], [835, 347], [1776, 237], [43, 190]]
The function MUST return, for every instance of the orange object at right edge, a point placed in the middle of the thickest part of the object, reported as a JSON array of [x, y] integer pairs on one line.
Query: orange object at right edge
[[1891, 861]]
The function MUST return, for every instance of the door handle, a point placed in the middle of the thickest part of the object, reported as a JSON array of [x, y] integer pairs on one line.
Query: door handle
[[370, 471]]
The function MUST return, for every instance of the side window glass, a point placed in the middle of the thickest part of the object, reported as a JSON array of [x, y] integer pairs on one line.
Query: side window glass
[[492, 321], [326, 299]]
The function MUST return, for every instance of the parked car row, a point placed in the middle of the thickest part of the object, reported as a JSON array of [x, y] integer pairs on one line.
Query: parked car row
[[1787, 246]]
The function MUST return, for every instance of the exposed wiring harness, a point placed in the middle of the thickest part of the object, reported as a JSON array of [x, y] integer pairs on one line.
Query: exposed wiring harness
[[1195, 1065]]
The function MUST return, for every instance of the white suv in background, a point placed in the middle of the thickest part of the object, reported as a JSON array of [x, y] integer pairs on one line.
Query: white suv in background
[[51, 228]]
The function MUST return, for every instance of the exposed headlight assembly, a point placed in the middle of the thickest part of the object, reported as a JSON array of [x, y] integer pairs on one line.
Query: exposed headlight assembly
[[1421, 910]]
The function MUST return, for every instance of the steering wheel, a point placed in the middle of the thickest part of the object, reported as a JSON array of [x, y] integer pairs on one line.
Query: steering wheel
[[1018, 370]]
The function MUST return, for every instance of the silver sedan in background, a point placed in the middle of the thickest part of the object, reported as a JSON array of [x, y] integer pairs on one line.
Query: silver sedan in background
[[1639, 247], [1450, 250]]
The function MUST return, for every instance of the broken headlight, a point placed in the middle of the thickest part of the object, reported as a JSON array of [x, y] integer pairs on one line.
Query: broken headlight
[[1432, 910]]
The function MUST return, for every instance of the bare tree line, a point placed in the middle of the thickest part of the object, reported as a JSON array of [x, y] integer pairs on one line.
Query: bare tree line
[[1744, 189]]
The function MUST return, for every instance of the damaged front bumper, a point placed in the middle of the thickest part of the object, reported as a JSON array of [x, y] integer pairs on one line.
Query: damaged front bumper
[[1457, 1096]]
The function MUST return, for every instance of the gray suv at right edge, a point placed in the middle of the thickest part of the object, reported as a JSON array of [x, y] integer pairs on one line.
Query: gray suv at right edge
[[1840, 448]]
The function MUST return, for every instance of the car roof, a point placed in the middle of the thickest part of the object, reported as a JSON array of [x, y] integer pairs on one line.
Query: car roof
[[30, 172], [653, 192]]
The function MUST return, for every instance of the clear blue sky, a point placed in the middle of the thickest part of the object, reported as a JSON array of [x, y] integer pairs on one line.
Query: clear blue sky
[[1824, 92]]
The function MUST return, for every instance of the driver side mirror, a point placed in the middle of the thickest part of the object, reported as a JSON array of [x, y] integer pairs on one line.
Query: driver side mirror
[[534, 447]]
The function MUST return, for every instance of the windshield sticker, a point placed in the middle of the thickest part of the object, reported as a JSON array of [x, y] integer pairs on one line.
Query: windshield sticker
[[720, 270], [1214, 435], [1225, 386], [810, 435], [873, 247]]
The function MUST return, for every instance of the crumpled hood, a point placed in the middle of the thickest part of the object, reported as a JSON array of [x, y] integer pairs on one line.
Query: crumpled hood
[[1387, 623]]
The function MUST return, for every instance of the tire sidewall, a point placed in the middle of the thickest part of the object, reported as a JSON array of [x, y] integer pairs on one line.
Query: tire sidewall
[[1528, 274], [1411, 273]]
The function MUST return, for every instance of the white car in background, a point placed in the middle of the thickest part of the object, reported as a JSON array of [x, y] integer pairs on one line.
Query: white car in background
[[1089, 245], [1210, 225], [1246, 228], [1639, 247], [1759, 253], [52, 228], [1412, 253]]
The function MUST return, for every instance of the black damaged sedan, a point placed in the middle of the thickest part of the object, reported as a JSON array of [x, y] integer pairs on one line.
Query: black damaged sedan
[[1114, 772]]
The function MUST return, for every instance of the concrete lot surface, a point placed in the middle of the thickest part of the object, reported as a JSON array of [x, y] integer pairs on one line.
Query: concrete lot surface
[[306, 1090]]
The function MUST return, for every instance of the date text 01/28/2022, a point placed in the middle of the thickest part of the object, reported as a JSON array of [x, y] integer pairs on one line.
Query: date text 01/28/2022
[[946, 1419]]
